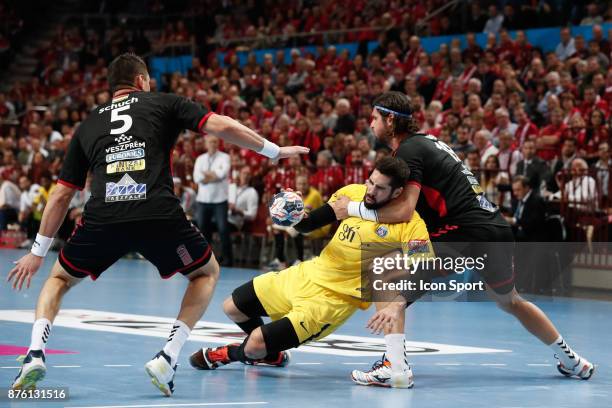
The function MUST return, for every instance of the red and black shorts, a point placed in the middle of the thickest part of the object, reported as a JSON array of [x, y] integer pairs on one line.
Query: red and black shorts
[[172, 245], [475, 240]]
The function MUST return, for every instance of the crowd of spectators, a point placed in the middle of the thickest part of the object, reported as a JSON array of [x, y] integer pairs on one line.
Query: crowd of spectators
[[274, 23], [507, 110]]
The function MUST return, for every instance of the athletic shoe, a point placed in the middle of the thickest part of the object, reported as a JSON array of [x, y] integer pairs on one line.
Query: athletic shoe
[[282, 359], [210, 358], [32, 370], [583, 369], [162, 373], [381, 376]]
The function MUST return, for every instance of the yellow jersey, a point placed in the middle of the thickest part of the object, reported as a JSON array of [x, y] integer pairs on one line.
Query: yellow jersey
[[312, 201], [339, 266], [40, 201]]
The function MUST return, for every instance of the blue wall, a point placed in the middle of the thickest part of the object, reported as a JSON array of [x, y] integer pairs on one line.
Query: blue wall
[[163, 65], [544, 38]]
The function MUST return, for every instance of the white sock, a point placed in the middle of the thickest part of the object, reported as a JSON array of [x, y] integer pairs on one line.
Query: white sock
[[396, 352], [566, 355], [40, 334], [176, 340]]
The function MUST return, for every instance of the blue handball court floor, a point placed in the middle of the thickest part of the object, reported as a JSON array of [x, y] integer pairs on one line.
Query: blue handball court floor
[[463, 354]]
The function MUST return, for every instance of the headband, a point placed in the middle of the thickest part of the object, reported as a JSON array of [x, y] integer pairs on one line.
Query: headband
[[382, 109]]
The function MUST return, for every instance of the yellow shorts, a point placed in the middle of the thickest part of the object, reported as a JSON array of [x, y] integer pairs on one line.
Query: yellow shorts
[[313, 310]]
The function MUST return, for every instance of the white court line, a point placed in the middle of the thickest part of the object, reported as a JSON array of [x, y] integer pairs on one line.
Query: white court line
[[308, 363], [448, 364], [539, 365], [67, 366], [10, 367], [494, 364], [203, 404], [355, 363], [117, 365]]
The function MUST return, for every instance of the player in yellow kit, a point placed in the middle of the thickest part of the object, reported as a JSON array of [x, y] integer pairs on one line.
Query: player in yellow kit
[[311, 300]]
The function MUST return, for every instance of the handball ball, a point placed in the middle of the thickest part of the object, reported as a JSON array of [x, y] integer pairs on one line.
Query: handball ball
[[286, 208]]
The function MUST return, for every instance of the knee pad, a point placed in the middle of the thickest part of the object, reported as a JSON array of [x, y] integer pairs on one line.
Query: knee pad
[[279, 335], [247, 302]]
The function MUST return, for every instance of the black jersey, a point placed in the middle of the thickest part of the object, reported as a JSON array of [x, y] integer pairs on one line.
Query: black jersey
[[450, 193], [127, 145]]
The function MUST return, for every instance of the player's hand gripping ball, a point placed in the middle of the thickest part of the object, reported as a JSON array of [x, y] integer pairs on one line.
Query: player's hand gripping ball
[[286, 208]]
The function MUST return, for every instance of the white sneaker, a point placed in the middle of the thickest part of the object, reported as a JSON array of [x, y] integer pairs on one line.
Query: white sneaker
[[32, 371], [381, 375], [161, 373], [583, 369]]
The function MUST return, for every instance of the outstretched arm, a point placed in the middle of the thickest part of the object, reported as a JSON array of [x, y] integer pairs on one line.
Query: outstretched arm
[[235, 132]]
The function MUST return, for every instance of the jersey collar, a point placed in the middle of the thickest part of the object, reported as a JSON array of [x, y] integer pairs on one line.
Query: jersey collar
[[124, 91]]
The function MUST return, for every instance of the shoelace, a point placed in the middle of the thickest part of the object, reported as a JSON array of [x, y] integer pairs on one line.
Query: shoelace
[[378, 364]]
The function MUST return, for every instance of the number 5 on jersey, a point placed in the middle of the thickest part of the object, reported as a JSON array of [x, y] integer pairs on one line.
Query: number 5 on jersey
[[126, 119]]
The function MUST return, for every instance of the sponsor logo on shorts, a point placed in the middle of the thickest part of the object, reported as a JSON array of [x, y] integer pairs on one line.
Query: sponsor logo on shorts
[[126, 155], [183, 253], [382, 231], [125, 166], [125, 190]]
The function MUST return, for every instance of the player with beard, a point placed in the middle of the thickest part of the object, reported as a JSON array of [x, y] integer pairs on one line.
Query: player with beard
[[449, 198], [311, 300]]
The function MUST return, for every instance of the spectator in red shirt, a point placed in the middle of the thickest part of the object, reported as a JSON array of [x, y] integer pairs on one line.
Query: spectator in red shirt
[[568, 106], [506, 50], [358, 170], [608, 90], [472, 50], [443, 89], [576, 130], [411, 59], [329, 177], [526, 129], [549, 140], [597, 132], [430, 125], [592, 101]]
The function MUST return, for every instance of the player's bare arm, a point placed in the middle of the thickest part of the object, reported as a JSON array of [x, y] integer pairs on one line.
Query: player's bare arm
[[52, 219], [238, 134]]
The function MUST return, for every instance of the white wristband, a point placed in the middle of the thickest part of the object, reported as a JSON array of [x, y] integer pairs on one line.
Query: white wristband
[[358, 209], [270, 150], [41, 245]]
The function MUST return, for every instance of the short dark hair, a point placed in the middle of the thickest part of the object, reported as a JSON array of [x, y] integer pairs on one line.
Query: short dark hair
[[571, 140], [398, 102], [123, 69], [521, 179], [396, 169]]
